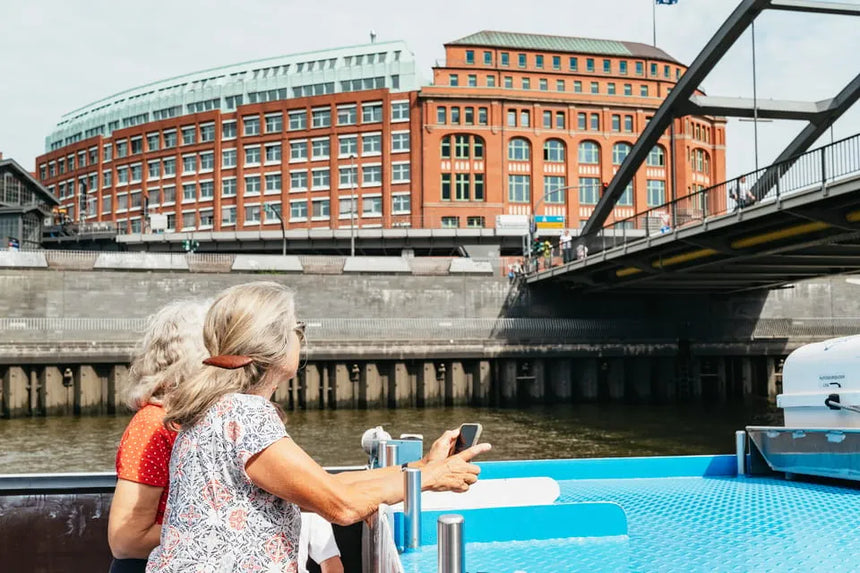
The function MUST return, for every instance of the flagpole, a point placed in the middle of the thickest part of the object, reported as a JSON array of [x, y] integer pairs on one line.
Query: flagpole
[[654, 21]]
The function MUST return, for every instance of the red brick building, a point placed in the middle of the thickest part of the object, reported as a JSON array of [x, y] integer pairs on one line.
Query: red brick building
[[508, 119]]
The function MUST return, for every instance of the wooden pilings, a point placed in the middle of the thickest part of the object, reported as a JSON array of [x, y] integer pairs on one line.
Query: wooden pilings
[[90, 389]]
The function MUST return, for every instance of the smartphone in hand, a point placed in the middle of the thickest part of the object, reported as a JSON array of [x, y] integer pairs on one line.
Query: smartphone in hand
[[468, 437]]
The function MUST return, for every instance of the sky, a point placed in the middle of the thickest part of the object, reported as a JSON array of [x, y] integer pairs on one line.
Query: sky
[[59, 55]]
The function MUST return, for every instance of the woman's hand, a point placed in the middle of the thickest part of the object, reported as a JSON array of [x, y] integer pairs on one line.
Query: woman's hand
[[453, 473], [441, 448]]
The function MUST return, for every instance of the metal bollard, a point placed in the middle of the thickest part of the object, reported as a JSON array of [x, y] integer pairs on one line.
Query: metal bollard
[[412, 508], [451, 552], [391, 455], [380, 453], [740, 452]]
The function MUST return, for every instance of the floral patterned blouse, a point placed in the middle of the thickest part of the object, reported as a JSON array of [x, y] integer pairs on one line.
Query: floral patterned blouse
[[216, 519]]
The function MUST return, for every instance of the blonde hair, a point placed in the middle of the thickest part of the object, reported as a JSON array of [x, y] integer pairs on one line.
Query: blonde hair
[[253, 320], [170, 350]]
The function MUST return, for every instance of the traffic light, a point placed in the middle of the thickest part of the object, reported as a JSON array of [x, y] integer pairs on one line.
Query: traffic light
[[190, 245]]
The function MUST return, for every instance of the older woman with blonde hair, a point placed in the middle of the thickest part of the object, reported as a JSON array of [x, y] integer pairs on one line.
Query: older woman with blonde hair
[[237, 480], [171, 349]]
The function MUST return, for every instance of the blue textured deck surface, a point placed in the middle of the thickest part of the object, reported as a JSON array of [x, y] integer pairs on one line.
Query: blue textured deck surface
[[691, 524]]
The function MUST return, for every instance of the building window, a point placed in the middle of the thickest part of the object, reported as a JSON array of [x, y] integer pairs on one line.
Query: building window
[[320, 149], [616, 122], [274, 122], [656, 191], [298, 180], [371, 113], [589, 190], [643, 91], [595, 87], [453, 80], [371, 206], [321, 117], [559, 85], [106, 204], [441, 115], [461, 187], [482, 116], [273, 153], [589, 153], [228, 158], [347, 115], [228, 187], [582, 121], [628, 89], [189, 192], [169, 196], [252, 214], [346, 206], [399, 142], [525, 118], [121, 151], [252, 155], [371, 144], [542, 85], [491, 81], [189, 219], [521, 60], [610, 88], [371, 175], [518, 149], [347, 145], [207, 161], [450, 222], [505, 59], [400, 111], [526, 83], [509, 82], [320, 178], [626, 199], [170, 166], [228, 216], [189, 164], [252, 185], [577, 87], [595, 122], [519, 188], [347, 177], [619, 153], [273, 183], [321, 208], [446, 187], [589, 64], [228, 129], [640, 68], [488, 58], [299, 150], [478, 187], [547, 120], [656, 157], [553, 151], [653, 69], [153, 169], [607, 66], [559, 120], [573, 64], [551, 188], [512, 118], [472, 80], [622, 67], [298, 120], [136, 172], [298, 210], [628, 123], [399, 172], [207, 190], [251, 125], [207, 132], [469, 115], [136, 147], [470, 56], [401, 204]]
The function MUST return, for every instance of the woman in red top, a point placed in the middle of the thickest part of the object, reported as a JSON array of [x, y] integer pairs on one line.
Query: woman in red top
[[172, 347]]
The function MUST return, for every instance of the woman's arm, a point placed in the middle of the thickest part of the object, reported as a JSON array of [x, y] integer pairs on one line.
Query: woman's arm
[[132, 531], [285, 470]]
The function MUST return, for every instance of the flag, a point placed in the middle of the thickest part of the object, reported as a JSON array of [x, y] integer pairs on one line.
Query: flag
[[670, 2]]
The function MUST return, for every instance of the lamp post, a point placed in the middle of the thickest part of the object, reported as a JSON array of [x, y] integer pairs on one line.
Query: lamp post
[[352, 174], [533, 224], [276, 209]]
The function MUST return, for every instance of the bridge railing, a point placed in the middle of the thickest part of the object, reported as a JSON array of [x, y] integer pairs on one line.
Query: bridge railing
[[817, 168], [451, 331]]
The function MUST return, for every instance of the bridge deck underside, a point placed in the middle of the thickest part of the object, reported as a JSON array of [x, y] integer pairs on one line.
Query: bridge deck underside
[[777, 241]]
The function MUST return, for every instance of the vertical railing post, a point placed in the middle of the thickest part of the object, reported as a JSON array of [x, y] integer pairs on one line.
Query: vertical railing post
[[391, 455], [451, 551], [381, 453], [823, 170], [412, 508], [740, 452]]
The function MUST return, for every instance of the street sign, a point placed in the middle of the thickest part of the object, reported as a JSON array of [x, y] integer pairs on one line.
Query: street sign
[[549, 221], [512, 224]]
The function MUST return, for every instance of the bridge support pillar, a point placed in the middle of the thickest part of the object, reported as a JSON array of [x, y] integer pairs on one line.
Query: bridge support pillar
[[639, 379], [311, 386], [508, 383], [429, 390], [399, 387], [586, 379], [481, 383], [344, 393], [770, 369], [13, 394], [560, 386], [665, 379], [456, 385], [88, 391], [537, 389], [370, 387], [54, 398], [117, 378], [615, 378], [747, 376]]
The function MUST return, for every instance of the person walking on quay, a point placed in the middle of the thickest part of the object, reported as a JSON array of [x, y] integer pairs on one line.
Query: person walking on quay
[[237, 480], [566, 244], [546, 249], [170, 350]]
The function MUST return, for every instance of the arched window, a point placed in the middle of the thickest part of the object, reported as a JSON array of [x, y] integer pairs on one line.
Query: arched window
[[477, 147], [518, 149], [701, 161], [589, 153], [619, 153], [657, 157], [553, 151]]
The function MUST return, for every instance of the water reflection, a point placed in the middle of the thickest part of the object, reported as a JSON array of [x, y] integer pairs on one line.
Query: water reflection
[[332, 437]]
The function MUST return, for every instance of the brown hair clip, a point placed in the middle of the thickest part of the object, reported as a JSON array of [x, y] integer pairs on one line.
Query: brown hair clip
[[229, 361]]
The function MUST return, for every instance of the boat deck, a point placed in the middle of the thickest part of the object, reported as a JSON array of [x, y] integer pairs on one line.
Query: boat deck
[[702, 523]]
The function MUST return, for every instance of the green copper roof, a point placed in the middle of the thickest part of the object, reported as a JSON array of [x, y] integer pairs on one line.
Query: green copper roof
[[539, 42]]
